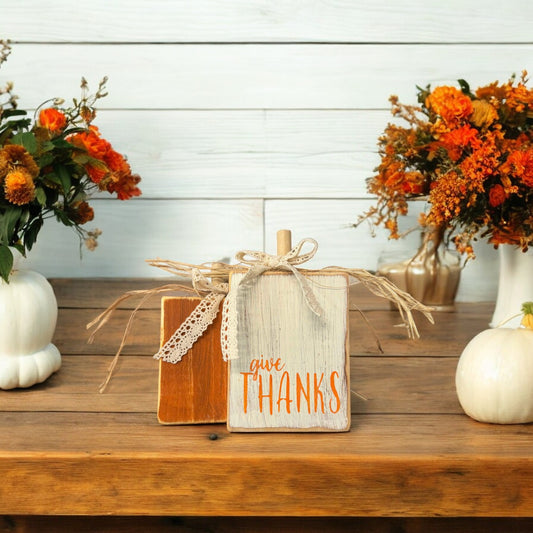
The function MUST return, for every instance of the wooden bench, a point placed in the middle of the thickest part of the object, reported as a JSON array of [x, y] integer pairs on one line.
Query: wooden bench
[[76, 460]]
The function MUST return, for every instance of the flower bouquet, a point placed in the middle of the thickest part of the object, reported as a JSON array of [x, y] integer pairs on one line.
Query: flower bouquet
[[471, 154], [50, 166]]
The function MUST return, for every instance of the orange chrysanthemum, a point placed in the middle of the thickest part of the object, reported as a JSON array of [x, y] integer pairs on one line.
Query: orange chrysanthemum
[[52, 120], [19, 188], [13, 156], [450, 104]]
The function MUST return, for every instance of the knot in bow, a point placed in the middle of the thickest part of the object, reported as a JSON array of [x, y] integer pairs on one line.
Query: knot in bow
[[201, 283], [260, 262]]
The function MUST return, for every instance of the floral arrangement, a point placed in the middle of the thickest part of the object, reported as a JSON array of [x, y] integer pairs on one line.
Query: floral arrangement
[[471, 156], [51, 165]]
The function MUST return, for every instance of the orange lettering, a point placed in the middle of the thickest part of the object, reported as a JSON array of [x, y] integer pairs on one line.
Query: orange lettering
[[265, 364], [301, 391], [318, 393], [269, 395], [335, 393], [245, 390], [287, 397]]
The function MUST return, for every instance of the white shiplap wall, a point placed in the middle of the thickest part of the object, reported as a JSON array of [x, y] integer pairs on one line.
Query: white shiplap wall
[[245, 116]]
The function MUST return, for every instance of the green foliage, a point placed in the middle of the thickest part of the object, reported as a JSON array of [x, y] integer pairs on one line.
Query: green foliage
[[50, 166], [6, 262]]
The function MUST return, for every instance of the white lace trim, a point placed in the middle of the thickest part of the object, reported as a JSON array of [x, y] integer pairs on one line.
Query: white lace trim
[[228, 330], [191, 329]]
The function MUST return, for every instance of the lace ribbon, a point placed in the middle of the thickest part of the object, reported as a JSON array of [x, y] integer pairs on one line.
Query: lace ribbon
[[193, 327]]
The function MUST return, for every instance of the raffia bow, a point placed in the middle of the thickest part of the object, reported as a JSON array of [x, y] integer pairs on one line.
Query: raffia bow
[[260, 262], [210, 281]]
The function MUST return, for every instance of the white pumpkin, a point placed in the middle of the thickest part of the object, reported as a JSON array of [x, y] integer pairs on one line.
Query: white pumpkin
[[494, 378], [28, 315]]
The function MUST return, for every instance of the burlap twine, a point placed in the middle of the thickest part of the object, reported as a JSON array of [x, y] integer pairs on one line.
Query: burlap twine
[[210, 281]]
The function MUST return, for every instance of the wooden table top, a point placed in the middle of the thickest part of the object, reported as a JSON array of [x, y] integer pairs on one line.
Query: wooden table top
[[66, 449]]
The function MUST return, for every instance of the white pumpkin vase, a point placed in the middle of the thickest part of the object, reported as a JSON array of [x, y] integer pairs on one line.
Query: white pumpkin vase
[[28, 315], [494, 378]]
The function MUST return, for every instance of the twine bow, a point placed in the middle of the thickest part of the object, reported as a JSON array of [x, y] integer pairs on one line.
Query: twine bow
[[260, 262], [210, 281]]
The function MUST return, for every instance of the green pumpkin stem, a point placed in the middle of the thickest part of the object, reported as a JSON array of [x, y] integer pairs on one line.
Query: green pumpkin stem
[[527, 308]]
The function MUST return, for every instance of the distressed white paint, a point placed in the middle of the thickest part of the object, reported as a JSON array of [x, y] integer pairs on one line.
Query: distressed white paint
[[268, 20], [294, 76], [262, 114], [274, 324]]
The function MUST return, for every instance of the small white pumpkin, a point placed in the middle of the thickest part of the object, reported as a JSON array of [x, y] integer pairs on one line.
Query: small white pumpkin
[[28, 315], [494, 378]]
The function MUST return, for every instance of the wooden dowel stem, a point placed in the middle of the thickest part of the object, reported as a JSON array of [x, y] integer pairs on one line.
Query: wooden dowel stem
[[284, 241]]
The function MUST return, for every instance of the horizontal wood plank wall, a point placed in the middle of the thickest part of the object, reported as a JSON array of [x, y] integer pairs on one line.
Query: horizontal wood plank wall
[[250, 115]]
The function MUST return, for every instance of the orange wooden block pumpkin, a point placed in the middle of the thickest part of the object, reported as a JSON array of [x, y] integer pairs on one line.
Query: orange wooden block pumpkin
[[194, 390]]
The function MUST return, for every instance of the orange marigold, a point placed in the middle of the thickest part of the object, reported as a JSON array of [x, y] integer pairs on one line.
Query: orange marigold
[[450, 104], [52, 119], [19, 188], [13, 156]]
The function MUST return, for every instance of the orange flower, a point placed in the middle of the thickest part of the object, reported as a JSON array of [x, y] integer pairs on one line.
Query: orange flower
[[114, 160], [457, 140], [497, 195], [450, 104], [484, 114], [125, 186], [13, 156], [91, 142], [82, 213], [414, 183], [19, 188], [52, 119], [520, 164], [493, 93], [96, 173]]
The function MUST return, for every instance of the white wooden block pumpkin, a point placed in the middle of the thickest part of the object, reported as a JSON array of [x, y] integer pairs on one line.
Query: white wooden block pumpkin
[[292, 370]]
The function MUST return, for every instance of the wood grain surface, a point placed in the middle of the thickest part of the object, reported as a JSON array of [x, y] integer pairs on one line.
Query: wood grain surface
[[265, 21], [291, 372], [411, 451], [193, 390]]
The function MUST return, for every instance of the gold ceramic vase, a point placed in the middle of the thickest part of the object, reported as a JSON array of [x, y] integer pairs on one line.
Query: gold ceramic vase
[[432, 275]]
